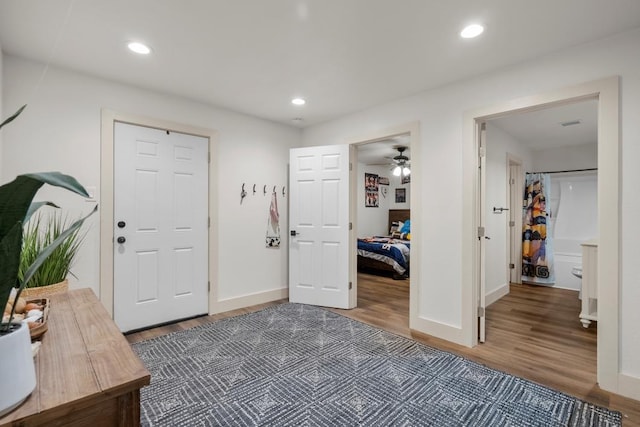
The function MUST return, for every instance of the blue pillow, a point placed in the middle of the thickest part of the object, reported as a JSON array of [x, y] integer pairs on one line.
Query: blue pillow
[[406, 227]]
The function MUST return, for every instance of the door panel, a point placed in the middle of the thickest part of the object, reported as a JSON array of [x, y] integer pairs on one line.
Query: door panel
[[161, 197], [481, 236], [319, 217]]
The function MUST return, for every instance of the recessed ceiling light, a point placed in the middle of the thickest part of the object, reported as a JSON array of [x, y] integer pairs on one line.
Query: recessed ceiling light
[[140, 48], [298, 101], [471, 31]]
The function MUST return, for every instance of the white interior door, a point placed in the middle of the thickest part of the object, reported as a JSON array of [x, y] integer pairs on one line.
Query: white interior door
[[160, 226], [515, 222], [481, 231], [319, 218]]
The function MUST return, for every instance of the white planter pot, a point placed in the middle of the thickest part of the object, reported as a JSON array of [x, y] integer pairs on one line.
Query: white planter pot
[[17, 370]]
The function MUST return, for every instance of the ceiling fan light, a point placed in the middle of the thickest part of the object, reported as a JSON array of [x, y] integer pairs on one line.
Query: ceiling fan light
[[397, 171], [406, 171]]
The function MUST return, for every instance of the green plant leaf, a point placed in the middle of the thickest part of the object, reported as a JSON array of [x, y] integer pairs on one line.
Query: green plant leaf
[[33, 207], [46, 252], [16, 196], [10, 255], [12, 118]]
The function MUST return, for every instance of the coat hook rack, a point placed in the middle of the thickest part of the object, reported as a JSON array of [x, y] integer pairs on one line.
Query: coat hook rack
[[499, 210], [243, 193], [283, 194], [254, 189]]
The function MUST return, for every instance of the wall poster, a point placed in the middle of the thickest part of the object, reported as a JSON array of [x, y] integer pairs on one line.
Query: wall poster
[[370, 190]]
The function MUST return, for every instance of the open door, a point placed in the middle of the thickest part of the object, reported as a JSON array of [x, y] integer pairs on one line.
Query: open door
[[320, 242], [482, 237]]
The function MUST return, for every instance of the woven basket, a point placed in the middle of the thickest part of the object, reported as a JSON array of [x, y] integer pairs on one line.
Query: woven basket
[[45, 291]]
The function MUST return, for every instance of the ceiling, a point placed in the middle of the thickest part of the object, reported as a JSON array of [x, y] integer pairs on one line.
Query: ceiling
[[342, 56], [544, 128]]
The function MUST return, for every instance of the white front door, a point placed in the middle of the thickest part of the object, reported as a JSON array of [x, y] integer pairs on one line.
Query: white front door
[[160, 226], [320, 243]]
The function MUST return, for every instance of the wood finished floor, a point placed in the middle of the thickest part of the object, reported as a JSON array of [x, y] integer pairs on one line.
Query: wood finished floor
[[533, 332]]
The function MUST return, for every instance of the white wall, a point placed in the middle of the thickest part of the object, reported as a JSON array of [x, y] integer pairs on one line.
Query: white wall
[[396, 182], [565, 158], [441, 113], [499, 144], [60, 130], [372, 221]]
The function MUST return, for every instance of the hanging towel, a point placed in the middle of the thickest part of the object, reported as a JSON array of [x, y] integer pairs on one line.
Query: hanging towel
[[273, 223], [537, 248]]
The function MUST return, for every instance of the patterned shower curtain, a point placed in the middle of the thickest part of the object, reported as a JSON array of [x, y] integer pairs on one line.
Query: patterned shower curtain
[[537, 245]]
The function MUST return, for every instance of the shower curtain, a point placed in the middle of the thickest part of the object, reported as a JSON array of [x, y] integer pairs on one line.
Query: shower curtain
[[537, 244]]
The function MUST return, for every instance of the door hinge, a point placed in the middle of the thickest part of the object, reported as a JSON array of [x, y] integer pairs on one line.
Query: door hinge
[[512, 266], [350, 285], [512, 223], [209, 157], [350, 166], [480, 232], [208, 286], [350, 226], [480, 311], [513, 181], [481, 151], [209, 222]]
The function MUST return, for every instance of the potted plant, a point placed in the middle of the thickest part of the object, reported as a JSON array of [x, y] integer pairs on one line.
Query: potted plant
[[51, 277], [17, 367]]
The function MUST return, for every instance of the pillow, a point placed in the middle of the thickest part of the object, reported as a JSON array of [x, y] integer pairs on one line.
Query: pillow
[[396, 226], [406, 227]]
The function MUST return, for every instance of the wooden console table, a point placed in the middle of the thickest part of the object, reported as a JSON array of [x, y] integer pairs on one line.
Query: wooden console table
[[87, 374]]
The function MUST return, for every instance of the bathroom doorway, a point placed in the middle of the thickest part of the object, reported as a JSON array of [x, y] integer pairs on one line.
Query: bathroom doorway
[[559, 145], [606, 91]]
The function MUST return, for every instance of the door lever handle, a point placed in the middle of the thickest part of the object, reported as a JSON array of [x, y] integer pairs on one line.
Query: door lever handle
[[294, 233]]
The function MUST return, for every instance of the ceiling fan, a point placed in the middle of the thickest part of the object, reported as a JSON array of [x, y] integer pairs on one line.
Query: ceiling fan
[[402, 163]]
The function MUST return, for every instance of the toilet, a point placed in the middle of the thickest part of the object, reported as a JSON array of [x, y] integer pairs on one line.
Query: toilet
[[577, 271]]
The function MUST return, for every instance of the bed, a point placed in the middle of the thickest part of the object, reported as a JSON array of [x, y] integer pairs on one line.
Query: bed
[[386, 255]]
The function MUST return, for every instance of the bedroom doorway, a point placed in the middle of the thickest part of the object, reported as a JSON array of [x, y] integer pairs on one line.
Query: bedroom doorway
[[386, 288], [606, 92]]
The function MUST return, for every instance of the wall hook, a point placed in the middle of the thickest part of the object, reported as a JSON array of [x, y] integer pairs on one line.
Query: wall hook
[[243, 194], [264, 189], [254, 189], [274, 189], [283, 194]]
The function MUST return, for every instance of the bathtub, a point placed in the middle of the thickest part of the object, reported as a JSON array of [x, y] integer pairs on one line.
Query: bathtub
[[573, 219]]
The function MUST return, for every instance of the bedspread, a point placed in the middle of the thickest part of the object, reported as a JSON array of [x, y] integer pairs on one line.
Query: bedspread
[[394, 252]]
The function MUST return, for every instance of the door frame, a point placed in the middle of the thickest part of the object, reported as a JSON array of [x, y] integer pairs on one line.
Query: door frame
[[413, 130], [606, 91], [514, 240], [109, 118]]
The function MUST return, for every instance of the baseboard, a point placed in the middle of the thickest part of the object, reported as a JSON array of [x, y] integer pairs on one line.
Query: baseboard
[[438, 330], [496, 294], [249, 300], [629, 386]]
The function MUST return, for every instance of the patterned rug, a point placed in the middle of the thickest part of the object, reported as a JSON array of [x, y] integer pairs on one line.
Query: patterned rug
[[297, 365]]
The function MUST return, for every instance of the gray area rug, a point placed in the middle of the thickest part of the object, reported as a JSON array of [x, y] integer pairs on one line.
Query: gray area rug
[[297, 365]]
